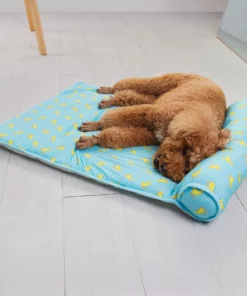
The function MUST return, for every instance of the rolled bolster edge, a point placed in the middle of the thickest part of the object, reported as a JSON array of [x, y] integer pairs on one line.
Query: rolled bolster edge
[[199, 202]]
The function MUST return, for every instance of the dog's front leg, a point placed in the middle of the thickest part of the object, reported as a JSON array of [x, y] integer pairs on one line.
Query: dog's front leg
[[119, 137]]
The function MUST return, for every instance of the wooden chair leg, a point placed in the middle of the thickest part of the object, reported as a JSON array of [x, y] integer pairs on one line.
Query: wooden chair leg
[[36, 21], [29, 15]]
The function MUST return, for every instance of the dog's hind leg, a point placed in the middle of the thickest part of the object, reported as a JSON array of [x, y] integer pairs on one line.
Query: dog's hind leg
[[127, 98], [124, 117], [116, 138], [150, 86], [106, 90]]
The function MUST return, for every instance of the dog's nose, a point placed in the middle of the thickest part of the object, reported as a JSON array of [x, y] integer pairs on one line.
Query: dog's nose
[[156, 162], [162, 168]]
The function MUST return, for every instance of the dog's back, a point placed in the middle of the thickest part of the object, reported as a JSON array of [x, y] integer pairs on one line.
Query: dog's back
[[196, 91]]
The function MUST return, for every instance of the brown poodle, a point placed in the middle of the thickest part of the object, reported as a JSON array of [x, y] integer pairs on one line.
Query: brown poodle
[[183, 113]]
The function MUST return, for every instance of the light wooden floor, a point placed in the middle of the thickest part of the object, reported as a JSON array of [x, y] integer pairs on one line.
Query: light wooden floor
[[64, 235]]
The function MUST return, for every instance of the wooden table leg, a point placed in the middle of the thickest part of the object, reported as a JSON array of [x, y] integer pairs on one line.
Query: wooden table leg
[[33, 13], [29, 15]]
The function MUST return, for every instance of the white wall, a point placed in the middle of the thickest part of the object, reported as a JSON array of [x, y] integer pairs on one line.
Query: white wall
[[118, 5]]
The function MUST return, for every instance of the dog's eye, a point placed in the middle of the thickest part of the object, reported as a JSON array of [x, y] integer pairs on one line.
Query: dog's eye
[[184, 151]]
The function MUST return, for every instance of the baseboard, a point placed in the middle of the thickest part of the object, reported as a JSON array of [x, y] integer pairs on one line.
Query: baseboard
[[119, 6]]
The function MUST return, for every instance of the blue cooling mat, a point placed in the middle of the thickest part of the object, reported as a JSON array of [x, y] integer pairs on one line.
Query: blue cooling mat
[[48, 132]]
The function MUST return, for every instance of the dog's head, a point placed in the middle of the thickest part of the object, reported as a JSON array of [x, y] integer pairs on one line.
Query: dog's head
[[191, 138]]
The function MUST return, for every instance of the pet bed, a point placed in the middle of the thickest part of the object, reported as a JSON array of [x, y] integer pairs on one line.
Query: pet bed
[[48, 132]]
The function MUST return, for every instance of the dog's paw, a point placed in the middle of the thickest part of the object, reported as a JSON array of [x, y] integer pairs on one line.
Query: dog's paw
[[105, 90], [85, 142], [89, 127], [105, 104]]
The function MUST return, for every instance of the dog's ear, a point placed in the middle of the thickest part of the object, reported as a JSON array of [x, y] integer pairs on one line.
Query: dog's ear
[[224, 138], [192, 122]]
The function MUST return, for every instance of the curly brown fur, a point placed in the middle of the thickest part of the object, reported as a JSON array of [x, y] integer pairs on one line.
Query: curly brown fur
[[184, 113], [127, 98], [116, 137]]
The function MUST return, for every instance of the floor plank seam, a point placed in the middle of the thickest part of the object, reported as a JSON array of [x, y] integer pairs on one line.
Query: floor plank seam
[[116, 51], [103, 194], [89, 58], [211, 266], [138, 265], [134, 249], [64, 255], [242, 204], [132, 34]]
